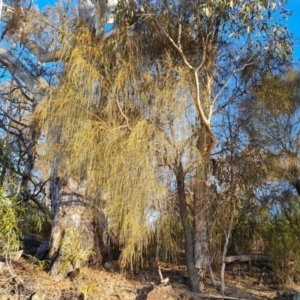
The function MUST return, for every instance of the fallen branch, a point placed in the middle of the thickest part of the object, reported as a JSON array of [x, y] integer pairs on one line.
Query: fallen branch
[[244, 258], [209, 296]]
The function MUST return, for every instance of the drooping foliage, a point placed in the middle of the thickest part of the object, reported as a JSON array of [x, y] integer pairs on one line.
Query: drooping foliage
[[115, 119]]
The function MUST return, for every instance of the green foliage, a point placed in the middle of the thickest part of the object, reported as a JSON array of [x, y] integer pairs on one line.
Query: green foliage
[[89, 289], [36, 221], [73, 250], [12, 213], [17, 219], [246, 235], [6, 163], [41, 264], [283, 243]]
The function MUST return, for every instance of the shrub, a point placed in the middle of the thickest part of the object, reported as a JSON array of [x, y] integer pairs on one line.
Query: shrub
[[12, 212], [18, 218], [74, 250], [283, 243]]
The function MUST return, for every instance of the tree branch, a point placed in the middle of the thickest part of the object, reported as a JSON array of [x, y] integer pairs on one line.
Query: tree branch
[[40, 53], [16, 68]]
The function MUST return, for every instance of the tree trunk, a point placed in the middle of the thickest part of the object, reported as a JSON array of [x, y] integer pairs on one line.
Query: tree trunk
[[30, 154], [189, 251], [76, 237], [201, 255]]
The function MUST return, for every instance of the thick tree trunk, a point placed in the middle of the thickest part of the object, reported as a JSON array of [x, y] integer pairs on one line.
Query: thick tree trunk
[[189, 251], [76, 231]]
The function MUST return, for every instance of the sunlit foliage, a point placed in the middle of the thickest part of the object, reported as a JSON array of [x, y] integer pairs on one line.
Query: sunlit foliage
[[118, 120]]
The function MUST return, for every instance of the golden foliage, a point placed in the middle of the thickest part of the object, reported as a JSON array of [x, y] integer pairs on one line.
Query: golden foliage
[[113, 119]]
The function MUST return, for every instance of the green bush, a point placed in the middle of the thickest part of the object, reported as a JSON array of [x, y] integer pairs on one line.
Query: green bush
[[18, 219], [74, 251], [283, 243], [12, 212]]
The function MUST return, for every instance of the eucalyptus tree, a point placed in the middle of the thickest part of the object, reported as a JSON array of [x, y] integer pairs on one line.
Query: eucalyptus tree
[[220, 43], [271, 122]]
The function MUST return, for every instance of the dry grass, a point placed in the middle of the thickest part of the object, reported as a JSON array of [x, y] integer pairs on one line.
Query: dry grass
[[242, 283]]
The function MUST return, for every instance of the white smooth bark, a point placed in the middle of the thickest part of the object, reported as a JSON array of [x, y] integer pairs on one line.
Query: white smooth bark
[[87, 12], [16, 68], [1, 5]]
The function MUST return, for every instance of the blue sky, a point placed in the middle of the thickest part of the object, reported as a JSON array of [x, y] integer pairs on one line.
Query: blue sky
[[293, 22], [294, 26]]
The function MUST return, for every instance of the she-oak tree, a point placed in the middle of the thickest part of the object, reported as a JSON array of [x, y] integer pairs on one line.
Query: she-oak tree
[[132, 105]]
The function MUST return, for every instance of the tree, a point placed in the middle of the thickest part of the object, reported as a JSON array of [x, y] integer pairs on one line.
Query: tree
[[218, 42], [26, 88], [21, 89], [271, 124], [275, 101]]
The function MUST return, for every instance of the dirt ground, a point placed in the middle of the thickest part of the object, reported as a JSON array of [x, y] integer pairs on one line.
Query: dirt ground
[[27, 281]]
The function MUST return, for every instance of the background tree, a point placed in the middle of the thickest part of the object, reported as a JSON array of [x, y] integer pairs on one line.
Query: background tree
[[198, 33], [271, 122]]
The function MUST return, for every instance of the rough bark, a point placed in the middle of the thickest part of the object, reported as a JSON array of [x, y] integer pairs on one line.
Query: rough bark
[[201, 255], [71, 210], [189, 248]]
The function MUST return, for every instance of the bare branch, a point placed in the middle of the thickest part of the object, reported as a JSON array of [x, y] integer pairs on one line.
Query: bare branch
[[17, 69], [179, 33], [122, 113], [41, 54], [177, 48]]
